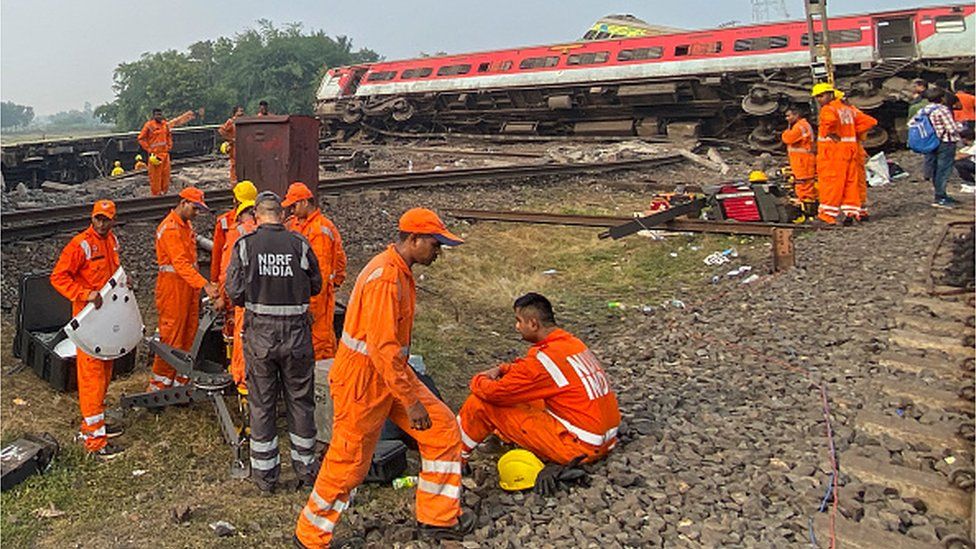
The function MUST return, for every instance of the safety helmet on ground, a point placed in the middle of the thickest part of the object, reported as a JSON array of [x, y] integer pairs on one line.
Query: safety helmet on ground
[[518, 469], [225, 148], [757, 176], [138, 157], [154, 160], [822, 88]]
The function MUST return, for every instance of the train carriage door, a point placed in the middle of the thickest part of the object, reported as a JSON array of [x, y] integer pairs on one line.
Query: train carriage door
[[896, 38], [350, 81]]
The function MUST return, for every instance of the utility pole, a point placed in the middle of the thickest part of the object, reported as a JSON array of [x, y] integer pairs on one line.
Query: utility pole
[[821, 64]]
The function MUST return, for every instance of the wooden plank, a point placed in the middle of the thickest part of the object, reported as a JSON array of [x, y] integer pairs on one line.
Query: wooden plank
[[910, 431], [952, 346], [915, 392], [932, 488], [857, 536], [945, 369], [935, 326], [950, 309]]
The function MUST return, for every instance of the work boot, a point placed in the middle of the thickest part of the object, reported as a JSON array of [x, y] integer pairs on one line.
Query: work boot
[[342, 542], [465, 525], [108, 452], [113, 429]]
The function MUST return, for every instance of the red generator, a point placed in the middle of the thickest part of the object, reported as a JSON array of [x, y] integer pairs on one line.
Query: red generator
[[737, 203], [744, 202]]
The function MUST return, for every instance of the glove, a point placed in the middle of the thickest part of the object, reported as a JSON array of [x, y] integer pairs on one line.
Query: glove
[[547, 483]]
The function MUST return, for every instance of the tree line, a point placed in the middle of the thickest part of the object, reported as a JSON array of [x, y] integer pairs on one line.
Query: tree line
[[13, 115], [280, 65]]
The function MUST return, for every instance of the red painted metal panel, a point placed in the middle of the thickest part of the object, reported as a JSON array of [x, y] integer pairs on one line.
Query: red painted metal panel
[[274, 151]]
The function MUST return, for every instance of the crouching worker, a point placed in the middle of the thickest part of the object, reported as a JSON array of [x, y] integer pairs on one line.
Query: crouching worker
[[555, 402]]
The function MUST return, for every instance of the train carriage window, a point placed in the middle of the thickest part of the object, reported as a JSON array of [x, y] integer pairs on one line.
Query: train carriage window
[[450, 70], [590, 35], [381, 76], [836, 37], [416, 73], [506, 65], [699, 48], [762, 43], [950, 23], [484, 67], [539, 62], [654, 52], [588, 58]]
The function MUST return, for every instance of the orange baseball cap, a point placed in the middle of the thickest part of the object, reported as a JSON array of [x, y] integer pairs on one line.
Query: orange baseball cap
[[296, 191], [424, 221], [195, 196], [104, 207]]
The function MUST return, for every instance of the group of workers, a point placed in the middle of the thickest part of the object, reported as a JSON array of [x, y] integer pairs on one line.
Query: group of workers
[[275, 276]]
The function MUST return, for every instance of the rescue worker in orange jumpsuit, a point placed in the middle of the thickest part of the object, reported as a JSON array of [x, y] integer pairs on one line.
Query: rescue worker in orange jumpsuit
[[836, 152], [862, 124], [245, 224], [243, 192], [228, 130], [308, 221], [371, 381], [139, 165], [178, 285], [555, 402], [156, 138], [86, 264], [799, 147]]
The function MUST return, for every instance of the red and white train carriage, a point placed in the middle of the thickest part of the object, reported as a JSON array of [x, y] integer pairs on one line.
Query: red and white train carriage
[[716, 78]]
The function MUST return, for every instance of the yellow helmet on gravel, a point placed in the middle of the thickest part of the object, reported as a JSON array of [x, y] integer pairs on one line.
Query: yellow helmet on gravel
[[757, 176], [518, 469]]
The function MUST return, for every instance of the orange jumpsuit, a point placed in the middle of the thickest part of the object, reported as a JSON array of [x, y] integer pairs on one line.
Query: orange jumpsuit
[[370, 382], [85, 265], [178, 287], [237, 326], [324, 238], [225, 223], [799, 147], [862, 123], [157, 138], [555, 402], [229, 132], [836, 184], [967, 107]]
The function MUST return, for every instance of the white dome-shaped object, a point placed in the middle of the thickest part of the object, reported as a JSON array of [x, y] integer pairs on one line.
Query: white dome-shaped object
[[114, 329]]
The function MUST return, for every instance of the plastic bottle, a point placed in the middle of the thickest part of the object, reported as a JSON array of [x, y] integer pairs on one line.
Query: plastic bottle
[[404, 482]]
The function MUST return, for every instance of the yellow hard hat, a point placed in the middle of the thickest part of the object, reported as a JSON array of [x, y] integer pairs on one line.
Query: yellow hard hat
[[838, 94], [224, 147], [154, 160], [245, 204], [117, 163], [756, 176], [138, 157], [821, 88], [518, 469], [245, 191]]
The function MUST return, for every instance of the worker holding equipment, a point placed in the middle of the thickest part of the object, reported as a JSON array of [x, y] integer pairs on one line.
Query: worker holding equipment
[[139, 165], [156, 138], [803, 162], [272, 274], [556, 401], [244, 224], [228, 130], [178, 285], [371, 381], [836, 153], [243, 192], [117, 169], [308, 221], [86, 264]]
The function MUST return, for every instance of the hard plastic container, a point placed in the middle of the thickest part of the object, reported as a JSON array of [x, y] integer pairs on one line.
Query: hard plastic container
[[389, 462], [274, 151]]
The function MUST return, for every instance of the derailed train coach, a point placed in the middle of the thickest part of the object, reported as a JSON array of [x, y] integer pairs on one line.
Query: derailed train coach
[[729, 81]]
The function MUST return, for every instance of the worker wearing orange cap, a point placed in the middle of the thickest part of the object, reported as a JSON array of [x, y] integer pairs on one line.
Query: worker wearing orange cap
[[228, 130], [555, 402], [836, 150], [371, 381], [799, 147], [178, 284], [308, 221], [86, 264], [245, 223], [156, 138]]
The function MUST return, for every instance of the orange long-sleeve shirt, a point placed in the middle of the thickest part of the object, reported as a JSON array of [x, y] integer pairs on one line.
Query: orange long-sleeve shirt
[[967, 107], [799, 148], [226, 222], [176, 250], [85, 265], [228, 130], [156, 137], [563, 373], [326, 243]]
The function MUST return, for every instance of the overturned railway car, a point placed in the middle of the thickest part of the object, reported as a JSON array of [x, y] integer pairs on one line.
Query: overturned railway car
[[73, 160], [729, 81]]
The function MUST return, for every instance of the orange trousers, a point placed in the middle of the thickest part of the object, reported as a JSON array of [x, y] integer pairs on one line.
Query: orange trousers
[[178, 306], [233, 167], [836, 183], [159, 175], [322, 307], [93, 378], [237, 348], [861, 177], [362, 405], [806, 189], [528, 425]]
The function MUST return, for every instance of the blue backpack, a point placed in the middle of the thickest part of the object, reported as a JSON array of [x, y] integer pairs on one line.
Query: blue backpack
[[921, 133]]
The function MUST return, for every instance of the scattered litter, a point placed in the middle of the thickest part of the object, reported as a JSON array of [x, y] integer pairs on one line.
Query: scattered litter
[[716, 279], [677, 304], [647, 309], [48, 512], [673, 254], [403, 483], [739, 271], [223, 528], [731, 252], [896, 171], [550, 272], [695, 248], [715, 258], [20, 402], [139, 472], [900, 412], [181, 514], [750, 279], [614, 305], [438, 168], [968, 189], [877, 170], [949, 459]]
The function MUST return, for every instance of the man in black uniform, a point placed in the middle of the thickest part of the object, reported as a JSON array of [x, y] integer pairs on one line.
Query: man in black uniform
[[272, 274]]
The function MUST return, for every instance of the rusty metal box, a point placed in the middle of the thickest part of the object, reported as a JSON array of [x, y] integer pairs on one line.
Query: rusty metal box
[[275, 150]]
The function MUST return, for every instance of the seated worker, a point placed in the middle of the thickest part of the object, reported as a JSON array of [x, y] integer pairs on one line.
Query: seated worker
[[555, 402]]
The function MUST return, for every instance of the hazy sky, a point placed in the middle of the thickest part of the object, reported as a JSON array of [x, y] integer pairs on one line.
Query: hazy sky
[[55, 55]]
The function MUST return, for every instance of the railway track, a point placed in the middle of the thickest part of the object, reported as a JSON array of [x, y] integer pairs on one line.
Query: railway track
[[41, 222]]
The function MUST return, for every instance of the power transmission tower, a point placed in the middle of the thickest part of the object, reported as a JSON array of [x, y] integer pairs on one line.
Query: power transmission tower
[[769, 10]]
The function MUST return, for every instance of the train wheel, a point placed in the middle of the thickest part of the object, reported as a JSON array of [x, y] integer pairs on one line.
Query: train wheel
[[403, 110], [760, 101], [765, 138], [866, 97], [352, 112], [876, 138]]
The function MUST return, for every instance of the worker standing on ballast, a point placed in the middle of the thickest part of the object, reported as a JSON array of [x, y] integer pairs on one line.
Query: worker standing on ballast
[[139, 165], [836, 152], [178, 285], [803, 161], [862, 125], [228, 130], [245, 191], [86, 264], [244, 224], [371, 381], [272, 274], [156, 138]]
